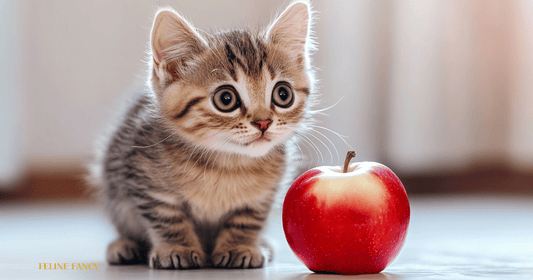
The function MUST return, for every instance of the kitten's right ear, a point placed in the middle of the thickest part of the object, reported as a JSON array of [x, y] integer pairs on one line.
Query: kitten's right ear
[[173, 41]]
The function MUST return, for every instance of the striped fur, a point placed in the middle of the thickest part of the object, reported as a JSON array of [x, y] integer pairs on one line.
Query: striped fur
[[187, 185]]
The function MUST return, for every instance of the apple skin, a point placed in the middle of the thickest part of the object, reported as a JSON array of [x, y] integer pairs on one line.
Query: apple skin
[[347, 223]]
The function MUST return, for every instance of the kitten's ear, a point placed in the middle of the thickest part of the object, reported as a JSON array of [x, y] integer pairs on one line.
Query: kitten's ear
[[173, 42], [292, 27]]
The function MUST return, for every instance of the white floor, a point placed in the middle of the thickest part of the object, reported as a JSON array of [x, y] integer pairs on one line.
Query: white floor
[[449, 238]]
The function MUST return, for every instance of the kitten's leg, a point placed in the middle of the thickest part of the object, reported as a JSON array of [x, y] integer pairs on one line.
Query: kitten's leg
[[239, 245], [131, 247], [125, 251], [174, 241]]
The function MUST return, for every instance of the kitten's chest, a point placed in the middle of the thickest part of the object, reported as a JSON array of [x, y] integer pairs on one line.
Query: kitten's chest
[[212, 193]]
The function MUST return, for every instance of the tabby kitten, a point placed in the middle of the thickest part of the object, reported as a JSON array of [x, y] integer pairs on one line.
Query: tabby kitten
[[190, 174]]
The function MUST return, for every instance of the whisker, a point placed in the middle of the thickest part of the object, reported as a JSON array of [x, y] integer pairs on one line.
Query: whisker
[[339, 135], [314, 145], [310, 153], [336, 151], [327, 108], [299, 140], [315, 149], [204, 151], [149, 146], [332, 131], [195, 148], [330, 154], [218, 55], [301, 153]]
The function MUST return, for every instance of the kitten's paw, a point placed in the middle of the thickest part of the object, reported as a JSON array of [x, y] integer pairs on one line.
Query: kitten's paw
[[124, 251], [176, 257], [240, 256]]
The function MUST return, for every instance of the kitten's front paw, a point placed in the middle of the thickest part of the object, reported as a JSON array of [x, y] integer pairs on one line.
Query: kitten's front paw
[[176, 257], [124, 251], [240, 256]]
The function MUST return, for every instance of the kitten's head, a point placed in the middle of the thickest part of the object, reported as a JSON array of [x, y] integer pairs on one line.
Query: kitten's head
[[239, 91]]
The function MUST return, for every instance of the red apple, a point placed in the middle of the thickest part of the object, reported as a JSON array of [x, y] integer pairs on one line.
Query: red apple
[[351, 222]]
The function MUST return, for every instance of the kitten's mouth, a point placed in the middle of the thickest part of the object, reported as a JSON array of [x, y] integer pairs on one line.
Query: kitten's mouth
[[263, 137]]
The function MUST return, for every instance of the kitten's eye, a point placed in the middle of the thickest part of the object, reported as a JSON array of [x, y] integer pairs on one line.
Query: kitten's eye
[[282, 95], [225, 99]]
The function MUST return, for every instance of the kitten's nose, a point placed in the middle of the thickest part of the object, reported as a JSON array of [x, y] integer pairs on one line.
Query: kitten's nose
[[262, 124]]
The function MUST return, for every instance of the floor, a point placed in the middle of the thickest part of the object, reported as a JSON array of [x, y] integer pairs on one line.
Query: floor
[[450, 237]]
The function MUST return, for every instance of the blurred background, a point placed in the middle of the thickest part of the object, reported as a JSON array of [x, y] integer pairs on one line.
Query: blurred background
[[440, 91]]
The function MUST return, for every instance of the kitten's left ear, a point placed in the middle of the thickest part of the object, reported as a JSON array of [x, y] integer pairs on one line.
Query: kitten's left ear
[[292, 28]]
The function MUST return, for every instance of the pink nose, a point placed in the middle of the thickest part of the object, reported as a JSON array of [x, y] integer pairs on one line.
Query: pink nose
[[262, 124]]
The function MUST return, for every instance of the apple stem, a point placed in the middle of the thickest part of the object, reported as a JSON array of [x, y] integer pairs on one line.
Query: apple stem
[[349, 156]]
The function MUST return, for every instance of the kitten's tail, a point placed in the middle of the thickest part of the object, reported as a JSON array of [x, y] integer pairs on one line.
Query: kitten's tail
[[94, 181], [94, 178]]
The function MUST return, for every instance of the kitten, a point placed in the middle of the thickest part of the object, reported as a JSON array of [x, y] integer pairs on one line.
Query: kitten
[[191, 173]]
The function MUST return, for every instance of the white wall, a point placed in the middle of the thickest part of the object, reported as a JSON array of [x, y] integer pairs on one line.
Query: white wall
[[11, 161], [354, 59], [461, 91], [521, 105], [421, 81]]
